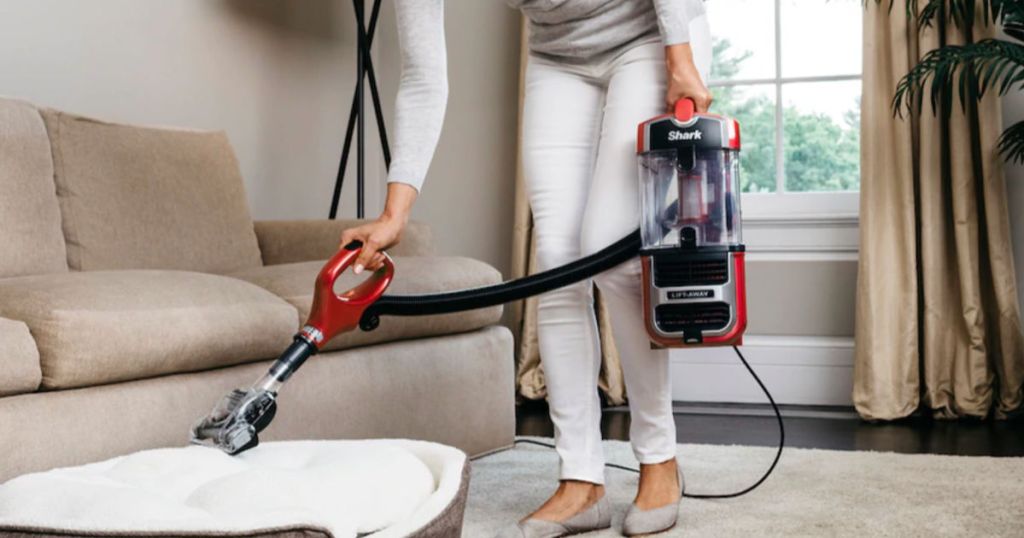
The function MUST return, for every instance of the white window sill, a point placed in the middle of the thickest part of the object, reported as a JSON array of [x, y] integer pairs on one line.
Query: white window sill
[[803, 208]]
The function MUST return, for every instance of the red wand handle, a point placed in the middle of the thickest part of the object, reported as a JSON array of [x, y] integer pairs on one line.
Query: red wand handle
[[334, 313]]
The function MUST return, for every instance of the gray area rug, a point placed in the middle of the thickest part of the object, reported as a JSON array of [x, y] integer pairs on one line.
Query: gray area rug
[[812, 492]]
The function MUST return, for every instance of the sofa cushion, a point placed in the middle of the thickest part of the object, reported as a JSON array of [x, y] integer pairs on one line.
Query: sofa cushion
[[19, 359], [106, 326], [413, 275], [30, 230], [148, 198]]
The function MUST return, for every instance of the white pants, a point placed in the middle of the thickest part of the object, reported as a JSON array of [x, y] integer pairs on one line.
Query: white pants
[[579, 158]]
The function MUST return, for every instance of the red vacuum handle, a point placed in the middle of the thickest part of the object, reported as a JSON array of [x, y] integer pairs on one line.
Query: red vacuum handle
[[685, 109], [333, 313]]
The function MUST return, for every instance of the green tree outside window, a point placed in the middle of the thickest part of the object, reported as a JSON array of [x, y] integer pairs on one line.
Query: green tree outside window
[[820, 153]]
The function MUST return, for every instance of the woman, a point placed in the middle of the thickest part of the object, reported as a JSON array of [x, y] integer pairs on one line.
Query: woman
[[596, 69]]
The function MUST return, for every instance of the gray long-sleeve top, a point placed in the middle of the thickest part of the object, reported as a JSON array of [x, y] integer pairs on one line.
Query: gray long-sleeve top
[[568, 30]]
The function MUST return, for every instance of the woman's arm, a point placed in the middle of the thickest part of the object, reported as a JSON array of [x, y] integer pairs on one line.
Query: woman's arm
[[419, 114], [684, 79]]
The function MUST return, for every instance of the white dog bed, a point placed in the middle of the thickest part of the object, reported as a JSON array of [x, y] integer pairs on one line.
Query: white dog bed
[[335, 489]]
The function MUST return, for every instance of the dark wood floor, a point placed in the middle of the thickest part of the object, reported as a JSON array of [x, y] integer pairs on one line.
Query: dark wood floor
[[837, 429]]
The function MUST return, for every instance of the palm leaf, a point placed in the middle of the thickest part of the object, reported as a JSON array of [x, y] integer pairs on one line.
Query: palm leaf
[[1011, 143], [973, 69], [1014, 30], [962, 12]]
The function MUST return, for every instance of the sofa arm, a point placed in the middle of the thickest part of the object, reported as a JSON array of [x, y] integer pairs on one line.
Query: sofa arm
[[19, 357], [290, 241]]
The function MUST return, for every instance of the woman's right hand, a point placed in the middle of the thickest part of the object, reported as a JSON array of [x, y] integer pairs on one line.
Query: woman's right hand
[[384, 232]]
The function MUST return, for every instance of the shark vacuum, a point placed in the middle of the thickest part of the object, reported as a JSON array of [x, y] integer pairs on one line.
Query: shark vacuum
[[692, 256], [689, 243]]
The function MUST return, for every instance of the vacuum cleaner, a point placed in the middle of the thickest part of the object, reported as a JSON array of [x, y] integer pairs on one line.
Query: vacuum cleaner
[[694, 285], [689, 243]]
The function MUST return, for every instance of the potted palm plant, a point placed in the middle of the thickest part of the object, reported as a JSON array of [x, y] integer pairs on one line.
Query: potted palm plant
[[974, 68]]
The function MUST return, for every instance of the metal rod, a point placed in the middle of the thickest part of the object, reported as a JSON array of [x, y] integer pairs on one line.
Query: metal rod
[[382, 129], [361, 118], [345, 148], [354, 110]]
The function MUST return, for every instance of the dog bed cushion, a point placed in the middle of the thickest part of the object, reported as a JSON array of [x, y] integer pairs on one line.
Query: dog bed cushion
[[337, 489]]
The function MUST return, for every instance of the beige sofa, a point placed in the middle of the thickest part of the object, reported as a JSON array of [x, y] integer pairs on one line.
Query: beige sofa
[[135, 290]]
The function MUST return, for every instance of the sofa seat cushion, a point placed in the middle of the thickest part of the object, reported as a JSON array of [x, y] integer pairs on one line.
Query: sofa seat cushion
[[413, 275], [19, 359], [30, 222], [136, 197], [106, 326]]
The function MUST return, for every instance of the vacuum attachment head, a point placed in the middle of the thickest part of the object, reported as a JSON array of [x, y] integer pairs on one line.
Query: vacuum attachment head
[[234, 424]]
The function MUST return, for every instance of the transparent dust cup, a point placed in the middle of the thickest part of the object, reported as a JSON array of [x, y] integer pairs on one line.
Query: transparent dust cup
[[690, 202]]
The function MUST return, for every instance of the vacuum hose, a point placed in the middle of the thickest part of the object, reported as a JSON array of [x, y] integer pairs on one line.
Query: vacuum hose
[[458, 301]]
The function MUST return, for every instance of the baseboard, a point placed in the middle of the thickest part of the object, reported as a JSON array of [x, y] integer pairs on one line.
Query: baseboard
[[797, 371]]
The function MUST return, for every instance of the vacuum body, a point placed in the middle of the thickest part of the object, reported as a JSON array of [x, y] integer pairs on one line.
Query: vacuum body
[[692, 254]]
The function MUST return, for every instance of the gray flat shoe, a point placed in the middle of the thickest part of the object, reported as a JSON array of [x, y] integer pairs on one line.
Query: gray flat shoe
[[640, 522], [597, 517]]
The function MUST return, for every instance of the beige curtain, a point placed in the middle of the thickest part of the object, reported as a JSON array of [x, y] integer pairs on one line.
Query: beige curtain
[[938, 324], [529, 373]]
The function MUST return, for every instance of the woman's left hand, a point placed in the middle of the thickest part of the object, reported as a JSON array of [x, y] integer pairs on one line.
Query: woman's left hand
[[684, 79], [376, 236]]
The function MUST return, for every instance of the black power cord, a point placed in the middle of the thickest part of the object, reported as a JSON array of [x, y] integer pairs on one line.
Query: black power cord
[[752, 487]]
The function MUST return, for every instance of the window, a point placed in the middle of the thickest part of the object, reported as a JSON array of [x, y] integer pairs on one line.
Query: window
[[789, 71]]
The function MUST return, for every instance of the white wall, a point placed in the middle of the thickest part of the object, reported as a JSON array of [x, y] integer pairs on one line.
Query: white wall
[[277, 75]]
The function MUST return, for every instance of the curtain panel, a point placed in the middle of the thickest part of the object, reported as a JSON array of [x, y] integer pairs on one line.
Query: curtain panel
[[938, 325]]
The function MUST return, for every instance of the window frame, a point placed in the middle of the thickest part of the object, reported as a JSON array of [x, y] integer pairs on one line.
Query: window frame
[[812, 205]]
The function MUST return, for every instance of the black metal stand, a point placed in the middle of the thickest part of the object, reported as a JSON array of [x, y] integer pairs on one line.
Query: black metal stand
[[356, 115]]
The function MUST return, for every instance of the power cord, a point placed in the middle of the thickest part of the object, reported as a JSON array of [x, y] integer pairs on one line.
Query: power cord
[[752, 487]]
